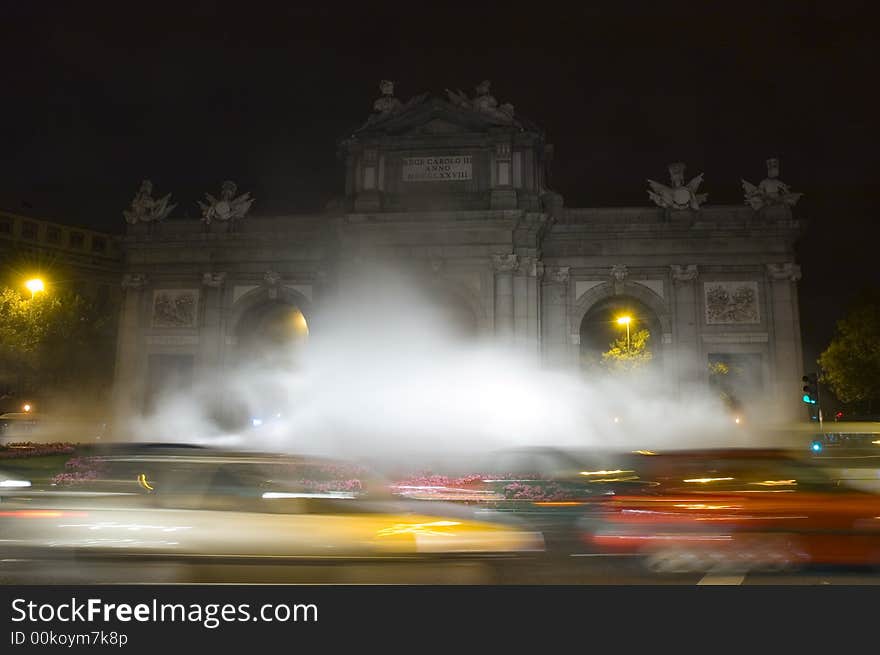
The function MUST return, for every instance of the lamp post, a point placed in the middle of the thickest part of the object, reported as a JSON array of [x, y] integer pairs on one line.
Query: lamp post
[[625, 320], [34, 285]]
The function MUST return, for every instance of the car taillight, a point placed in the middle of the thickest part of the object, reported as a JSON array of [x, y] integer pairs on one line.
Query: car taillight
[[41, 514]]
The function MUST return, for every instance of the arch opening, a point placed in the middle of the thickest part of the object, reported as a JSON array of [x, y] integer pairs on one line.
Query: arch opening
[[270, 329], [605, 324]]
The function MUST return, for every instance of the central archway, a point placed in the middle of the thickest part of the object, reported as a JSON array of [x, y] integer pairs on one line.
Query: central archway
[[602, 326], [270, 328]]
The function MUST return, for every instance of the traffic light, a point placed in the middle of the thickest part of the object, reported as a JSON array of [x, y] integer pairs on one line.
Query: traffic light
[[811, 389]]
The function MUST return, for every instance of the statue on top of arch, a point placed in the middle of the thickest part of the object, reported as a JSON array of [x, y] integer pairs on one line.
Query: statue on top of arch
[[146, 209], [771, 191], [227, 207], [387, 104], [679, 195], [484, 102]]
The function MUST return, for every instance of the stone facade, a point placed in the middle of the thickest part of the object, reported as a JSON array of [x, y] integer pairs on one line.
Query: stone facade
[[455, 193]]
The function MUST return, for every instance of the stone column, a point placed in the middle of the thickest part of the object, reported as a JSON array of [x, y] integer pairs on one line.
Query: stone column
[[520, 302], [554, 317], [533, 307], [787, 349], [688, 367], [128, 382], [504, 266], [210, 331]]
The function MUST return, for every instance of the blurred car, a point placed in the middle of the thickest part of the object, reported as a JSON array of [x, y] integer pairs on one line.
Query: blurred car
[[737, 509], [193, 514], [49, 428], [15, 425], [546, 487], [851, 458]]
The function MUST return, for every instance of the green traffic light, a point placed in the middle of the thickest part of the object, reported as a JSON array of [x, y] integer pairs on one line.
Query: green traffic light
[[807, 398]]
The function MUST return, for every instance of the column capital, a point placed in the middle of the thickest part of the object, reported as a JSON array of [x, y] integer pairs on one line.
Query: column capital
[[527, 266], [558, 274], [134, 280], [787, 271], [684, 273], [504, 263], [213, 280]]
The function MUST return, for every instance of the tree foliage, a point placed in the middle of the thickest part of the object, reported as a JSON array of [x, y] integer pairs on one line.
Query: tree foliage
[[623, 357], [52, 341], [851, 364], [721, 378]]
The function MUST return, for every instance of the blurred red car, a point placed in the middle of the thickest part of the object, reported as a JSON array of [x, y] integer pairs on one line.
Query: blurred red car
[[737, 509]]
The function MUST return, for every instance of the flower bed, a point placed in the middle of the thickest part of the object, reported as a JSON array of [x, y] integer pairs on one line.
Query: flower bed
[[78, 470], [30, 449]]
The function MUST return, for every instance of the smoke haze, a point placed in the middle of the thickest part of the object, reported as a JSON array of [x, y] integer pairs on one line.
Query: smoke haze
[[383, 375]]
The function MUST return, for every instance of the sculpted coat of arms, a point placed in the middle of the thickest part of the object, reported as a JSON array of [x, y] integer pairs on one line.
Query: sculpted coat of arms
[[679, 195], [146, 209], [771, 190], [227, 207]]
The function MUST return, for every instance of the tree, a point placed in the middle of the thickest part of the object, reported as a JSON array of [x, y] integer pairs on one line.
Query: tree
[[624, 357], [850, 365], [53, 342], [721, 378]]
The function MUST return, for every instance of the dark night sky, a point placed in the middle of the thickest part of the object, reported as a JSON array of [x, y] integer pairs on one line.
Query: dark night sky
[[96, 97]]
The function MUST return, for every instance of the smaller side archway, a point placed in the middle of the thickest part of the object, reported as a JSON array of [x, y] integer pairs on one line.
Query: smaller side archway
[[264, 322], [596, 313]]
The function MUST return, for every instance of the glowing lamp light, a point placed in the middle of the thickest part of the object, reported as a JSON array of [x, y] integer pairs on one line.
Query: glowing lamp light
[[34, 285], [27, 407], [624, 320]]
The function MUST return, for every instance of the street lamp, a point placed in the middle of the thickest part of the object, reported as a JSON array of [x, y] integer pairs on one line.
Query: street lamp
[[34, 285], [625, 320]]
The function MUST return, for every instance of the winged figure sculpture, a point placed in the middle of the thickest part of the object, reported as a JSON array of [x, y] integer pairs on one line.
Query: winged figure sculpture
[[227, 207], [771, 190], [146, 209], [679, 195]]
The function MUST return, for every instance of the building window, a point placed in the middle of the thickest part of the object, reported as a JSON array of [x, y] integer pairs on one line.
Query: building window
[[53, 234], [77, 239], [29, 230], [738, 378], [99, 244], [5, 226]]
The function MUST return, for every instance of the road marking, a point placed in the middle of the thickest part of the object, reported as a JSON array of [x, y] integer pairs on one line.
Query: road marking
[[721, 579]]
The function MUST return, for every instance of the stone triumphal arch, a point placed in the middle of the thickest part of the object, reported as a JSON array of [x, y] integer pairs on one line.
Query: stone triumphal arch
[[452, 189]]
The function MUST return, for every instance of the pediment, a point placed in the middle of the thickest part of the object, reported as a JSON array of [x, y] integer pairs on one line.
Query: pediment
[[441, 126], [424, 115]]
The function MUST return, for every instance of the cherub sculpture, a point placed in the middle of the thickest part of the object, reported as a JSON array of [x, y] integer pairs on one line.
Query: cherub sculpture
[[771, 191], [679, 195], [228, 207], [387, 104], [146, 209]]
